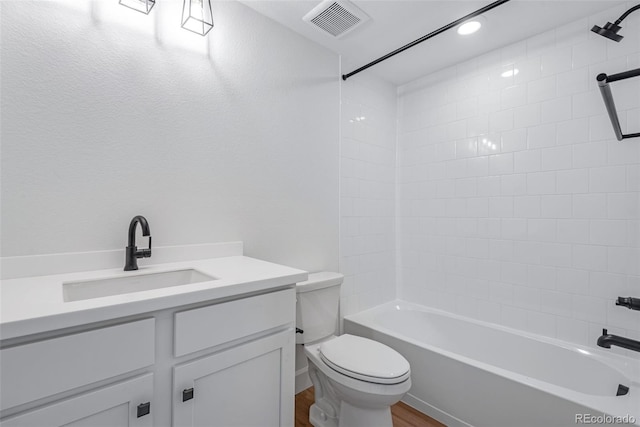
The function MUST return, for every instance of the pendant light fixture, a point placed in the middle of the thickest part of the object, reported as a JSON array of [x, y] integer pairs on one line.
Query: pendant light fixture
[[197, 16], [143, 6]]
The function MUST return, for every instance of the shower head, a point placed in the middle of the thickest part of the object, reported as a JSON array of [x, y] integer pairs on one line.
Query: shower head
[[610, 30]]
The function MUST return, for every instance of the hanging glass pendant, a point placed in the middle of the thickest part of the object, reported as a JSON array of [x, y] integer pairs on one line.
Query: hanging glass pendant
[[197, 16], [143, 6]]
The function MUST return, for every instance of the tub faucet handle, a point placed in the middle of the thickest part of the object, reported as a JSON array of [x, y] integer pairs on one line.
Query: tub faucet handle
[[629, 302]]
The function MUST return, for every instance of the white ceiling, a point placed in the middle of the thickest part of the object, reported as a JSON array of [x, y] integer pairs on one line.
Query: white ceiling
[[395, 23]]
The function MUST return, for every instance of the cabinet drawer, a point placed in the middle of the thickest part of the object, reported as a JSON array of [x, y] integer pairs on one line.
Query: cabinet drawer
[[114, 405], [216, 324], [43, 368]]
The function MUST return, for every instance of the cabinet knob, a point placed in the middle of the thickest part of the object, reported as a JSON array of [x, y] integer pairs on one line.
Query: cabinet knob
[[144, 409], [187, 394]]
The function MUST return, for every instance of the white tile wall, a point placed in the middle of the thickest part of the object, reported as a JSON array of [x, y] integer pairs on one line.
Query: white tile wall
[[516, 204], [367, 192]]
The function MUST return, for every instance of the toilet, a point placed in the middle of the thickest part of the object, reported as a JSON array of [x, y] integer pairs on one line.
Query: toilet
[[356, 380]]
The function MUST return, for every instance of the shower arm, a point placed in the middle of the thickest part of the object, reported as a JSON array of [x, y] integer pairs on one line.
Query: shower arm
[[605, 91], [624, 15]]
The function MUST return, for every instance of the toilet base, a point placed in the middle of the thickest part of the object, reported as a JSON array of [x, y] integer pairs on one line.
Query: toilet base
[[353, 416]]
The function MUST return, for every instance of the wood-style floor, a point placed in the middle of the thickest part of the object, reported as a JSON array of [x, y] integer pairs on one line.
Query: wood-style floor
[[403, 415]]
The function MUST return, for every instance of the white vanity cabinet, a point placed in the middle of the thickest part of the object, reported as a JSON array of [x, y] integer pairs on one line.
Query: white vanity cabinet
[[231, 363]]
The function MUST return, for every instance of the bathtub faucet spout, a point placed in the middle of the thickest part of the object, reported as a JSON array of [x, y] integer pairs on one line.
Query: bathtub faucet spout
[[607, 340]]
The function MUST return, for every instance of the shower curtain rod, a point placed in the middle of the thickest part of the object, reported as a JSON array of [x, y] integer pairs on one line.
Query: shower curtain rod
[[605, 90], [427, 37]]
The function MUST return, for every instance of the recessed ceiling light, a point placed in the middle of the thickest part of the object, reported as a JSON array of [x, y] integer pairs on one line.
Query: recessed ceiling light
[[510, 73], [469, 27]]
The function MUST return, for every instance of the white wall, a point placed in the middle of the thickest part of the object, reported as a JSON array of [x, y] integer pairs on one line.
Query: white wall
[[367, 192], [107, 113], [516, 203]]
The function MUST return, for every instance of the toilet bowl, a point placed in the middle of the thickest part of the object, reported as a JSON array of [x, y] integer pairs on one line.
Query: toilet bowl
[[352, 394], [356, 380]]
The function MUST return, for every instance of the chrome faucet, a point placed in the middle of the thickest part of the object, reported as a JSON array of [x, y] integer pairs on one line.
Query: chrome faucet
[[607, 340], [131, 252]]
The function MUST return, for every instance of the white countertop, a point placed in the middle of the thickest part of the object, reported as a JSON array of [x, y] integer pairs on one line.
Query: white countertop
[[33, 305]]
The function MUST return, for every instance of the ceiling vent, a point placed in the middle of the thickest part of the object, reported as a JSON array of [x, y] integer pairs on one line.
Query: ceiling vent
[[337, 18]]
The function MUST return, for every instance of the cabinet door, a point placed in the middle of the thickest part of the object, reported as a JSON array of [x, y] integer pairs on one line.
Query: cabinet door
[[115, 405], [249, 385]]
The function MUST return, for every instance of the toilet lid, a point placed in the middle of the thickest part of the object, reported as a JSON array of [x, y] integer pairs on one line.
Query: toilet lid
[[365, 359]]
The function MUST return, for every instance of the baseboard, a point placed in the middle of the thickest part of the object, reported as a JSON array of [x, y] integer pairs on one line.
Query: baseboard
[[433, 412], [303, 381]]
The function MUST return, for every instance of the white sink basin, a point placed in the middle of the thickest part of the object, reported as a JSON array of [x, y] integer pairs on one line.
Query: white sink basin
[[76, 291]]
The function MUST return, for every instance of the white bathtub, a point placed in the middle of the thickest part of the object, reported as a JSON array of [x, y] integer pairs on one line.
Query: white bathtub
[[471, 373]]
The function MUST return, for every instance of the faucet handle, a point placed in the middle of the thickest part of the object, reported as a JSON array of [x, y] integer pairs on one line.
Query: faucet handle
[[629, 302], [146, 253], [604, 331]]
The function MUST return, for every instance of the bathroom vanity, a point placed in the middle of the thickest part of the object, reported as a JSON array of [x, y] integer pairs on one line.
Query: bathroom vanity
[[212, 352]]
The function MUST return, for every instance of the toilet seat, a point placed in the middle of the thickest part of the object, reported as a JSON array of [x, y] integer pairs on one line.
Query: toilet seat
[[364, 359]]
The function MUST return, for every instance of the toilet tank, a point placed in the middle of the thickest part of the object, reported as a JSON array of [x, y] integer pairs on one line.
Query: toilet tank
[[318, 299]]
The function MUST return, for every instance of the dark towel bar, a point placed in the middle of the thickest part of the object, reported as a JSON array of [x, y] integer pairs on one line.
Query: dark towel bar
[[605, 90]]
